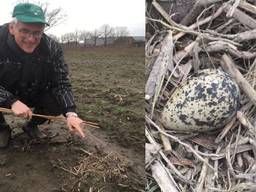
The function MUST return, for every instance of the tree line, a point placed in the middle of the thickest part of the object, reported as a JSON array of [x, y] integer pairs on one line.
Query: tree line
[[106, 33]]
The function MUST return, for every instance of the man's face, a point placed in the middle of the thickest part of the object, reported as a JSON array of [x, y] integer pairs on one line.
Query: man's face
[[27, 36]]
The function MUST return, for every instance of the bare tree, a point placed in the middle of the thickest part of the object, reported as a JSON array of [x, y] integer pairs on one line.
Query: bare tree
[[84, 36], [69, 39], [76, 36], [54, 37], [122, 36], [95, 35], [121, 32], [106, 32], [65, 38], [54, 16]]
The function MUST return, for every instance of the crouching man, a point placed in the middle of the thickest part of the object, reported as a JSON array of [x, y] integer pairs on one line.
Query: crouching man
[[33, 74]]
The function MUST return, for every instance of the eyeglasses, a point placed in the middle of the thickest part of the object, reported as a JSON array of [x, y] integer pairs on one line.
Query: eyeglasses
[[27, 33]]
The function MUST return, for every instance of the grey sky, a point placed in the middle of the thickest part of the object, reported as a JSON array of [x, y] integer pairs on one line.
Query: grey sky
[[90, 14]]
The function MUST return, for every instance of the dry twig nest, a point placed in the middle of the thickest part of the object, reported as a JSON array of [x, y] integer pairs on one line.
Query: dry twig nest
[[213, 34]]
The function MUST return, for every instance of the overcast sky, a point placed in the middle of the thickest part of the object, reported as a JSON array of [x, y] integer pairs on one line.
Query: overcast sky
[[90, 14]]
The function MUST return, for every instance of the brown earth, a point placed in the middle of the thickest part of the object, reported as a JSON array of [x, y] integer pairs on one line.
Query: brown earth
[[108, 84]]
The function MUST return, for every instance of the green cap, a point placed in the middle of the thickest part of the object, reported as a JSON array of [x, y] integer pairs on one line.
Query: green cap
[[29, 13]]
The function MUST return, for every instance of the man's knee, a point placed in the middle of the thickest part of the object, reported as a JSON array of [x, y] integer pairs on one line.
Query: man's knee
[[48, 105]]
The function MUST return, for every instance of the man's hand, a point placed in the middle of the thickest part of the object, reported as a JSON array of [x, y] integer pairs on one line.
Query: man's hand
[[74, 125], [21, 110]]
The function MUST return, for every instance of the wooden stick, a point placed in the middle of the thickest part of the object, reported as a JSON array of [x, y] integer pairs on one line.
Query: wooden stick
[[49, 117], [219, 46], [185, 29], [242, 17], [172, 168], [189, 147], [240, 149], [163, 179], [245, 122], [233, 8], [225, 130], [166, 141], [203, 174], [161, 65], [247, 6], [201, 22], [231, 68], [243, 36], [196, 10], [162, 12]]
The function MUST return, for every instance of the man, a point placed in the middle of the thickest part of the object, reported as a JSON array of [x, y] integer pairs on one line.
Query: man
[[33, 74]]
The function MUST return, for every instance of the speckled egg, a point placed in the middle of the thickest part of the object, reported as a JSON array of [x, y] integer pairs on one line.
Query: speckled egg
[[206, 101]]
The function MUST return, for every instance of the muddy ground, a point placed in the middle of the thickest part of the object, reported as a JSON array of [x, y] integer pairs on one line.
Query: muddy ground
[[108, 84]]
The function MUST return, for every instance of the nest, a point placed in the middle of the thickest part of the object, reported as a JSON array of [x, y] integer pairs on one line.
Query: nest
[[212, 34], [100, 168], [108, 167]]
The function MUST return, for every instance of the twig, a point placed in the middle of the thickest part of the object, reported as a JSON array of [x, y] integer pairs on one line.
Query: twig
[[202, 177], [84, 151], [225, 25], [195, 152], [162, 12], [216, 163], [159, 70], [67, 170], [225, 130], [56, 118], [233, 8], [171, 166], [236, 144], [245, 186], [198, 6], [219, 46], [179, 56], [253, 143], [229, 66], [229, 165], [162, 178], [245, 122], [247, 6], [242, 17], [192, 32], [195, 57], [166, 141], [244, 36], [201, 22], [240, 149]]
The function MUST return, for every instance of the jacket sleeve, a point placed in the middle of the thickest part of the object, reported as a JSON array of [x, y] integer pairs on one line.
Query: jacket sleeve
[[61, 87], [6, 97]]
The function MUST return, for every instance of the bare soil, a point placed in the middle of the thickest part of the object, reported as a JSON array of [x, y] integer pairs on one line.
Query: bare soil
[[108, 84]]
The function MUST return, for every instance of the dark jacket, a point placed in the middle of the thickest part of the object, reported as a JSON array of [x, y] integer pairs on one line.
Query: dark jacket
[[26, 76]]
